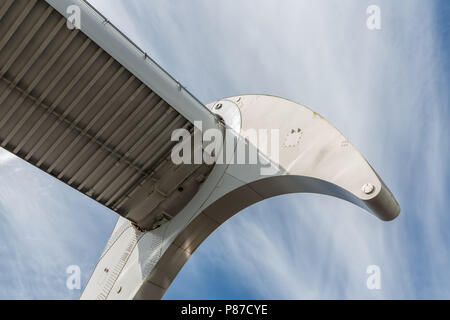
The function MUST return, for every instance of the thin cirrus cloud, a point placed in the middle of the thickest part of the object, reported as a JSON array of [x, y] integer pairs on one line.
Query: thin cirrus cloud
[[45, 226], [385, 90]]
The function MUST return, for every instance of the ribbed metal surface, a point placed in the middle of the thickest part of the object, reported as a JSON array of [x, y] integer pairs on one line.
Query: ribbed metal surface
[[70, 109]]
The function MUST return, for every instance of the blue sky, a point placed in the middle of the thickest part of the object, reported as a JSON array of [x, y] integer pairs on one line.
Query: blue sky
[[386, 90]]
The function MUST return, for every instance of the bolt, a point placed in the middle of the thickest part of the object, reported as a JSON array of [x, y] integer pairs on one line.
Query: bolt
[[219, 106], [368, 188]]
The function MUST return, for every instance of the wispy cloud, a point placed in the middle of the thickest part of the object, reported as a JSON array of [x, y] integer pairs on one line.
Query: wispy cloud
[[45, 226]]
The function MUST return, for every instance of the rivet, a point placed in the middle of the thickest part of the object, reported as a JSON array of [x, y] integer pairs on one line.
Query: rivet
[[368, 188]]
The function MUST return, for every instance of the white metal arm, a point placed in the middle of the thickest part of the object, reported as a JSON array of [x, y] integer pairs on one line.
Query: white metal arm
[[313, 157]]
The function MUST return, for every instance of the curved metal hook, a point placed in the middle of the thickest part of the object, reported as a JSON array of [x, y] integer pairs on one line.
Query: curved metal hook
[[312, 157]]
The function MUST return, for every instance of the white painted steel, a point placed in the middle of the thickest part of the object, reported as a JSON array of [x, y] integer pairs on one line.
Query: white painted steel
[[321, 161]]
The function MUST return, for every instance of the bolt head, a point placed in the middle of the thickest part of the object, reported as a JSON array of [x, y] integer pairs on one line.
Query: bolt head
[[218, 106], [368, 188]]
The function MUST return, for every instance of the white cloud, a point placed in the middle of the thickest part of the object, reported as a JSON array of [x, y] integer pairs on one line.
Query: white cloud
[[6, 156], [45, 226]]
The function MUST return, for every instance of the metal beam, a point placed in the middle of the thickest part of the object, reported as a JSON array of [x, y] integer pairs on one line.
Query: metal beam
[[75, 122], [102, 130], [116, 202], [5, 7], [86, 129], [149, 164], [17, 23], [24, 70], [124, 141], [62, 95], [38, 78], [106, 143], [25, 41], [132, 148], [26, 93], [72, 105]]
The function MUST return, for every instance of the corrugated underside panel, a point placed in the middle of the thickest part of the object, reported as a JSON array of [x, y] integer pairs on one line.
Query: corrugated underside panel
[[69, 108]]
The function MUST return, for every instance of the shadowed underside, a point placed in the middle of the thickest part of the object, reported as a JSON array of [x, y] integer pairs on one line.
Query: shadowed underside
[[69, 108]]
